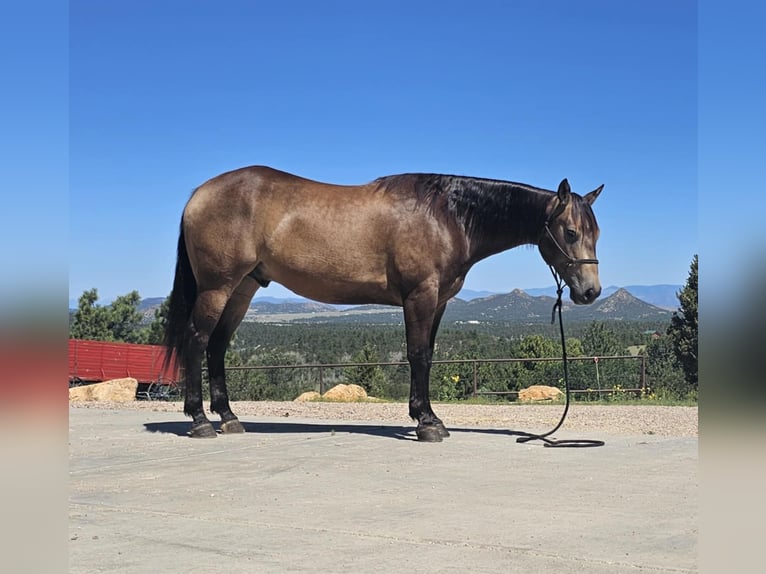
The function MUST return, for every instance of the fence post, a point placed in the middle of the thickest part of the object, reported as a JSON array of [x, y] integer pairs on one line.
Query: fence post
[[643, 375], [475, 379], [598, 377], [321, 380]]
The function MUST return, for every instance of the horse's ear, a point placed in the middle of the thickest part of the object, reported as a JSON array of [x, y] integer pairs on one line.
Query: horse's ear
[[591, 197], [564, 192]]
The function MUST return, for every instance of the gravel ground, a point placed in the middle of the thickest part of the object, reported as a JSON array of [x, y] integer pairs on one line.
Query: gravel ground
[[612, 419]]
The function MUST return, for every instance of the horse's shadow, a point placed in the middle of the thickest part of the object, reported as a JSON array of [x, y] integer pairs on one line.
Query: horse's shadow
[[181, 428]]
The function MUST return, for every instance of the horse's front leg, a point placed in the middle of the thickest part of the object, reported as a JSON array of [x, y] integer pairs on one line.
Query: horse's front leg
[[430, 427], [421, 319]]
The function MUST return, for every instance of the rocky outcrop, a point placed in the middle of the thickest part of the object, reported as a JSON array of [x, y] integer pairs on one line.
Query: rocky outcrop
[[115, 390], [339, 393], [537, 393]]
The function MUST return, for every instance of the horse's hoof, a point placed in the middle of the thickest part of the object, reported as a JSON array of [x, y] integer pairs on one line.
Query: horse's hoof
[[202, 430], [443, 432], [429, 433], [231, 427]]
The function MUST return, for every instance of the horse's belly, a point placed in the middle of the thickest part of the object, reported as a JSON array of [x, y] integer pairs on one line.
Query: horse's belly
[[333, 275], [335, 257], [328, 287]]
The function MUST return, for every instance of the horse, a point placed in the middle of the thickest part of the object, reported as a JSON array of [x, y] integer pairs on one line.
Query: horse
[[404, 240]]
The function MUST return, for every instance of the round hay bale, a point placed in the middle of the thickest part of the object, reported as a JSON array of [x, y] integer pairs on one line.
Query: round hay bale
[[537, 393], [307, 397], [345, 393]]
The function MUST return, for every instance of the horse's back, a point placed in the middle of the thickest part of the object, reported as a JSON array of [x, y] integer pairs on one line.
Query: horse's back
[[328, 242]]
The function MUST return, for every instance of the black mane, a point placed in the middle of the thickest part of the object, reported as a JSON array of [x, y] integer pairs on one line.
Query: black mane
[[481, 206]]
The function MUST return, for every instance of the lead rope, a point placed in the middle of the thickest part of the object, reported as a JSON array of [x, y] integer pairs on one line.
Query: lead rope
[[548, 442]]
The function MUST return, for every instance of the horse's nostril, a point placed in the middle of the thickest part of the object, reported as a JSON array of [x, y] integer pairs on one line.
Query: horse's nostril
[[592, 294]]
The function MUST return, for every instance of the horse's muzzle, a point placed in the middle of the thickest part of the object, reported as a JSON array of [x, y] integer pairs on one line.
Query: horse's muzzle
[[586, 297]]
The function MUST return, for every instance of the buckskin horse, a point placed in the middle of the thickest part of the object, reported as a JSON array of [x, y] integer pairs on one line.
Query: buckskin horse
[[405, 240]]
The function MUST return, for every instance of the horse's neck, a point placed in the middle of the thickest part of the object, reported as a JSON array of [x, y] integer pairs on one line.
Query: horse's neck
[[506, 220]]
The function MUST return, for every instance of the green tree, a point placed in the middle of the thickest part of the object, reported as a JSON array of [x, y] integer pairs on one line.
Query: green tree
[[664, 374], [600, 341], [370, 377], [574, 347], [683, 327], [274, 384], [155, 334], [125, 320], [581, 373], [91, 321], [529, 373], [536, 347], [119, 321]]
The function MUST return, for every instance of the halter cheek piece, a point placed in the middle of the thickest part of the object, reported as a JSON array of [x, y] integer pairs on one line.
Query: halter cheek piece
[[570, 260]]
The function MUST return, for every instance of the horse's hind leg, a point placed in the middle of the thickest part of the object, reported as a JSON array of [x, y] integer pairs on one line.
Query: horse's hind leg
[[231, 317], [208, 308]]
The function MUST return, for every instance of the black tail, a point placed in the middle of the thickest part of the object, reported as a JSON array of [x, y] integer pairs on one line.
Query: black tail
[[180, 307]]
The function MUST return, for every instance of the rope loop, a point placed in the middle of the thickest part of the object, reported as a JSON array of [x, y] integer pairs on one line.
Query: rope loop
[[548, 442]]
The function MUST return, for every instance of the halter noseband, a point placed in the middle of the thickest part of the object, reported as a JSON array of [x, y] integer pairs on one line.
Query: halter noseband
[[570, 260]]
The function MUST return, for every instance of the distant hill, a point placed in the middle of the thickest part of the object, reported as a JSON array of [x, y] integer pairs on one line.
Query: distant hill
[[619, 306], [468, 294], [664, 296], [150, 304], [516, 306], [519, 306]]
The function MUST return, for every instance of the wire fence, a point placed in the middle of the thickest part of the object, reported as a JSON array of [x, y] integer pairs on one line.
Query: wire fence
[[590, 378]]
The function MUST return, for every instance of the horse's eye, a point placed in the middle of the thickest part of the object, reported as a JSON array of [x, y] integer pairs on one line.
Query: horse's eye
[[571, 235]]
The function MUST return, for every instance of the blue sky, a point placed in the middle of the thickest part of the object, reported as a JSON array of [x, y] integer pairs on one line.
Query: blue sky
[[166, 94]]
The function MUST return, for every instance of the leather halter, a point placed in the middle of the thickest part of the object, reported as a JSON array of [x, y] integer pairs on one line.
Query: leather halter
[[570, 260]]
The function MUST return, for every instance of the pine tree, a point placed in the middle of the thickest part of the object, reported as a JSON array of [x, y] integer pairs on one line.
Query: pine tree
[[125, 320], [156, 332], [91, 321], [370, 377], [119, 321], [683, 328], [600, 341], [664, 373]]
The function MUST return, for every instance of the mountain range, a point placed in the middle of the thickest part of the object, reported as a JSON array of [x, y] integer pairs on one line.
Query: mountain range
[[665, 296], [517, 306], [633, 303], [520, 306]]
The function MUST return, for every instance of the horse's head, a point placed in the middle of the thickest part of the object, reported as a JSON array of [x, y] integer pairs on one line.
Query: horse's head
[[568, 242]]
